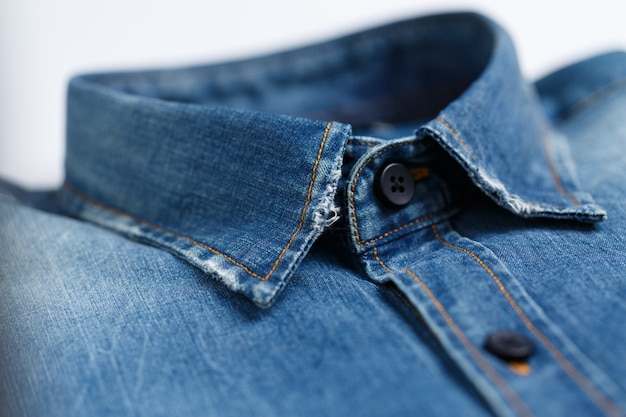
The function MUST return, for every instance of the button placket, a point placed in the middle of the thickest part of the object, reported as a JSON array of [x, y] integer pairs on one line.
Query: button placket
[[394, 184], [392, 191]]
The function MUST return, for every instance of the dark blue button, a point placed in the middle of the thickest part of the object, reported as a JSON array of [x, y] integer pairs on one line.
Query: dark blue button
[[509, 346], [395, 184]]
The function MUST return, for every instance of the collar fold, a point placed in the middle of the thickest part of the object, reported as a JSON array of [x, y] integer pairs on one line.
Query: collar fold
[[227, 167], [497, 131], [240, 195]]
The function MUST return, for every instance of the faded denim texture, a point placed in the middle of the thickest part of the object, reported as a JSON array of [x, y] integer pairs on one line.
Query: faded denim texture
[[219, 246]]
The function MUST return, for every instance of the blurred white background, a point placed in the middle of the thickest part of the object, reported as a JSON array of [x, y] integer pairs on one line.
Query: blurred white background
[[42, 43]]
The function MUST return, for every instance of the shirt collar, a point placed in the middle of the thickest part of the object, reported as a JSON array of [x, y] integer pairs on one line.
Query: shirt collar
[[206, 163], [498, 132]]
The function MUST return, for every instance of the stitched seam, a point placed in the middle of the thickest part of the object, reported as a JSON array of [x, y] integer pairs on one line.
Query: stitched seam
[[375, 252], [516, 402], [119, 212], [209, 248], [413, 223], [360, 142], [306, 204], [549, 159], [557, 179], [352, 207], [480, 360], [591, 99], [457, 136], [594, 393], [353, 187]]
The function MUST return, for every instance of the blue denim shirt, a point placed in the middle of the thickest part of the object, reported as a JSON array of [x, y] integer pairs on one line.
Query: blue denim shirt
[[224, 242]]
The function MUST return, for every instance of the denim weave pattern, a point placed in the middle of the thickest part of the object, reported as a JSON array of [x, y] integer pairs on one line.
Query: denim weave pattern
[[221, 246]]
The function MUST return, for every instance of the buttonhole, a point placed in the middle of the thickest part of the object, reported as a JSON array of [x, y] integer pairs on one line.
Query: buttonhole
[[419, 173]]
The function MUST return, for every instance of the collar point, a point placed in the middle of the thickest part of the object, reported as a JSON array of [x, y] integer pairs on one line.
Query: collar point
[[587, 212]]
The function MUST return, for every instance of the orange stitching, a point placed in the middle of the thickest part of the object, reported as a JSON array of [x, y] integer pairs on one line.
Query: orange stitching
[[306, 204], [547, 151], [375, 251], [597, 396], [397, 229], [479, 359], [119, 212], [214, 251], [557, 180], [353, 187], [516, 402], [394, 289], [456, 135], [360, 142], [354, 220]]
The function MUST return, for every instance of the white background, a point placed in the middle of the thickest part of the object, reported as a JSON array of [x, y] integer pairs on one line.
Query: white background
[[42, 43]]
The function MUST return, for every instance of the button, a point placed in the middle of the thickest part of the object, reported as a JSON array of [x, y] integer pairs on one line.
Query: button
[[509, 346], [395, 184]]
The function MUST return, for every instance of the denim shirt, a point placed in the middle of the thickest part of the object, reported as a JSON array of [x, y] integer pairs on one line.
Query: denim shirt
[[339, 229]]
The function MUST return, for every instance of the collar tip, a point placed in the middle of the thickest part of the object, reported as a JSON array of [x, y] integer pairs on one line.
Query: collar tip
[[590, 214], [586, 213], [260, 291]]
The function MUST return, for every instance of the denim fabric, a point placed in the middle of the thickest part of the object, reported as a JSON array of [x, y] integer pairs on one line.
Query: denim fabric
[[219, 246]]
